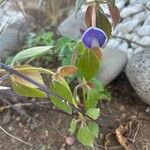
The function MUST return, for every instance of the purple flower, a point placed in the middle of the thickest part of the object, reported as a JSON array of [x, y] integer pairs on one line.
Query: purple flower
[[94, 37]]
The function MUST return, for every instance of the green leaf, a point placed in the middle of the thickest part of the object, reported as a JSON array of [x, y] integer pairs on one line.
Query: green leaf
[[96, 94], [62, 89], [92, 99], [103, 23], [79, 4], [23, 90], [88, 64], [65, 46], [61, 104], [73, 126], [105, 94], [93, 113], [31, 52], [94, 128], [85, 136]]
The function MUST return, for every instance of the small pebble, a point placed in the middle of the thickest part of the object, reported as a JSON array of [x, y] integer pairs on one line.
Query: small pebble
[[147, 110], [122, 108]]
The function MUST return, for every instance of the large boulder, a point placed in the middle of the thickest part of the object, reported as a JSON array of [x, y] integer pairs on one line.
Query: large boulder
[[138, 73], [73, 25], [113, 63]]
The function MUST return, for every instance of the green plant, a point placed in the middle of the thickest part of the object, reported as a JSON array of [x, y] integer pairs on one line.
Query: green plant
[[85, 63], [62, 48]]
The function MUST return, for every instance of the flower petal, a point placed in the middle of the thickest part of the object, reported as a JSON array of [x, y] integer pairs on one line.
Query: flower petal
[[94, 37]]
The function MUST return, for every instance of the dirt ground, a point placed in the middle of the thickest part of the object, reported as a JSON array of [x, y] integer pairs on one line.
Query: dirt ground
[[49, 128], [125, 123]]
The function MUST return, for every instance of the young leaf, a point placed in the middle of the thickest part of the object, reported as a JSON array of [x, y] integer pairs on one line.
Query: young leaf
[[31, 52], [73, 126], [115, 14], [94, 128], [62, 89], [96, 94], [88, 64], [93, 98], [85, 136], [32, 74], [88, 15], [26, 91], [67, 70], [103, 23], [93, 113], [105, 94], [61, 104]]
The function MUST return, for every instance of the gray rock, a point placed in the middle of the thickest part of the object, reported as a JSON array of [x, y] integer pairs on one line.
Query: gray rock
[[148, 5], [113, 63], [12, 37], [128, 26], [138, 73], [144, 30], [72, 26], [131, 9]]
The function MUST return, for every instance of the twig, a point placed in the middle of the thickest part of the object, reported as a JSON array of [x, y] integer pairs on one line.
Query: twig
[[4, 77], [123, 38], [138, 127], [15, 108], [35, 103], [20, 140], [109, 147]]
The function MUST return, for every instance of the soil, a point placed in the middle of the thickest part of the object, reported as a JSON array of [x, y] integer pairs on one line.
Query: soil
[[49, 128], [125, 123]]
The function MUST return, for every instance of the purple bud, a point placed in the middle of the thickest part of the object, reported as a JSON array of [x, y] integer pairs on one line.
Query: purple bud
[[94, 37]]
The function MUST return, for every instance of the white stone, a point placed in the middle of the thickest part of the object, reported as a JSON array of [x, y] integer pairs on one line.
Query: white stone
[[138, 1], [128, 26], [128, 36], [113, 43], [148, 5], [131, 9], [144, 31], [147, 21], [130, 53], [141, 16], [134, 46], [120, 4], [139, 50], [145, 41], [113, 63], [123, 47], [135, 37], [138, 73]]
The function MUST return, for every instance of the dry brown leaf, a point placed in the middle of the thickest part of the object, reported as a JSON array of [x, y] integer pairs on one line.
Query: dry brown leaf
[[67, 70], [32, 74]]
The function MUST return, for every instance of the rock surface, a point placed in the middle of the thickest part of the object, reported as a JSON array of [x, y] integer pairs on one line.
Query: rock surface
[[14, 25], [138, 73], [73, 26], [113, 63]]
